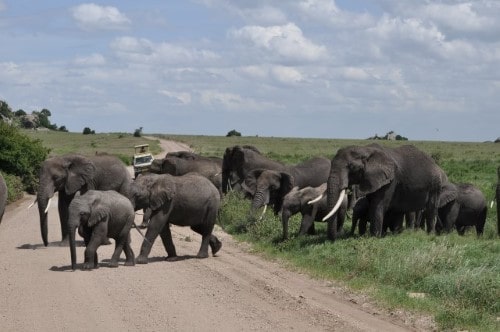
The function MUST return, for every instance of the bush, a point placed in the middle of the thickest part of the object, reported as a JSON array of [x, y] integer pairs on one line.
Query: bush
[[138, 132], [233, 133], [21, 156], [88, 131], [14, 187]]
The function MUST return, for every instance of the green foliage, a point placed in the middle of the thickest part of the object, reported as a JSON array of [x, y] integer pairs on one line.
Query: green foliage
[[15, 187], [20, 155], [233, 133], [5, 109], [88, 131], [138, 132]]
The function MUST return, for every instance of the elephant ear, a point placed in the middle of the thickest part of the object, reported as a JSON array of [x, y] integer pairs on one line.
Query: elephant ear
[[379, 170], [250, 183], [286, 185], [81, 171], [99, 212], [168, 165], [449, 192], [161, 193]]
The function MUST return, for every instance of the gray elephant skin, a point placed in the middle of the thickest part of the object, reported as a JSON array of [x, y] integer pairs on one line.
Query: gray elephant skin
[[100, 215], [402, 179], [460, 206], [269, 187], [299, 201], [3, 196], [186, 200], [71, 173], [183, 162], [238, 161], [497, 194]]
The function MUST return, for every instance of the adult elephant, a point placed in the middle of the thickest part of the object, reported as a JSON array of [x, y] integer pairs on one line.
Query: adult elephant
[[100, 215], [460, 206], [238, 161], [269, 187], [305, 202], [183, 162], [3, 196], [392, 221], [186, 200], [71, 173], [402, 179]]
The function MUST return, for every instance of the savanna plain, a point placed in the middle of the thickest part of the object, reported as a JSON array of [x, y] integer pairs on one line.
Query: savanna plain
[[454, 279]]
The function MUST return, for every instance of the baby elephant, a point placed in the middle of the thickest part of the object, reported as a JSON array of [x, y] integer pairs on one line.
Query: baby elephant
[[100, 215], [186, 200]]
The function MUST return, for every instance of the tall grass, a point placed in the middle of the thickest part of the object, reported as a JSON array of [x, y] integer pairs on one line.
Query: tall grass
[[458, 277]]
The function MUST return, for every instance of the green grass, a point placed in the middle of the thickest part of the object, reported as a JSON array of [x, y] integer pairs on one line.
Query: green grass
[[458, 275]]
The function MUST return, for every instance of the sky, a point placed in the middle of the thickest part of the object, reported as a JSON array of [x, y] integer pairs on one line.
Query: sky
[[428, 70]]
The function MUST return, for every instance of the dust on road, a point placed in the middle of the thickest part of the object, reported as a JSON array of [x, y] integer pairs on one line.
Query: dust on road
[[235, 291]]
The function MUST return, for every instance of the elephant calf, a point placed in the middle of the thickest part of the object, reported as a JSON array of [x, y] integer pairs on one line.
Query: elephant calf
[[297, 201], [100, 215]]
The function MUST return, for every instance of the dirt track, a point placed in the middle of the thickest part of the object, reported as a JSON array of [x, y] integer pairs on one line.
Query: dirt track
[[235, 291]]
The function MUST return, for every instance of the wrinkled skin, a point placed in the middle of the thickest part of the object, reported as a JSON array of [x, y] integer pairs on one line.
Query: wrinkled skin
[[186, 200], [402, 179], [297, 201], [3, 196], [100, 215], [72, 173], [238, 161], [269, 187], [468, 208]]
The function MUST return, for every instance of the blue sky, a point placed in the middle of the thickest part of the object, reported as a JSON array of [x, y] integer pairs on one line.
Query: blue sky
[[429, 70]]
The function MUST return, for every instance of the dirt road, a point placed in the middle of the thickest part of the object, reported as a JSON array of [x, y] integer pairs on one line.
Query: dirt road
[[235, 291]]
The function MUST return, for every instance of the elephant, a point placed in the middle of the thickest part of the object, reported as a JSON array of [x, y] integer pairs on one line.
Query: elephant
[[238, 161], [301, 201], [461, 205], [183, 162], [402, 179], [100, 215], [270, 186], [186, 200], [3, 196], [71, 173]]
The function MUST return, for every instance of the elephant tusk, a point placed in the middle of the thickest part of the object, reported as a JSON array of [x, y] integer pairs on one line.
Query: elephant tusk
[[263, 212], [337, 205], [316, 199], [491, 205], [34, 202], [48, 205], [142, 234]]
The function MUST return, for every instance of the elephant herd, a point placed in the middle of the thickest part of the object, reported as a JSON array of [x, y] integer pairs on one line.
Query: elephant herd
[[383, 187]]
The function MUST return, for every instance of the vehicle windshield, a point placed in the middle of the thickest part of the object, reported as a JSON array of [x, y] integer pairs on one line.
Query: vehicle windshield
[[143, 160]]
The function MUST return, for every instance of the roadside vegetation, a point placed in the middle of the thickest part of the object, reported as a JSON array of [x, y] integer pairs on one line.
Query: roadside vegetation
[[455, 279]]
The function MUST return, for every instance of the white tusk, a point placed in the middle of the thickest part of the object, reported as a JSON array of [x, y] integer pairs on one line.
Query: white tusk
[[48, 205], [336, 207], [34, 202], [491, 205], [316, 199], [263, 212]]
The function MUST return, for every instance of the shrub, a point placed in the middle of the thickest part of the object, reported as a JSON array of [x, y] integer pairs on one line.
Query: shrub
[[233, 133], [21, 156], [88, 131]]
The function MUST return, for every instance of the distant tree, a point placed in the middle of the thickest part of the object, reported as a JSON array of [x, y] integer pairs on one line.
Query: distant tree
[[401, 138], [233, 133], [88, 131], [19, 113], [63, 128], [138, 132], [5, 109]]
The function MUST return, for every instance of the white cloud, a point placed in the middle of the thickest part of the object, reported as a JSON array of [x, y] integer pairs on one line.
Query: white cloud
[[181, 98], [90, 16], [94, 59], [328, 11], [460, 16], [233, 102], [286, 75], [142, 50], [286, 41]]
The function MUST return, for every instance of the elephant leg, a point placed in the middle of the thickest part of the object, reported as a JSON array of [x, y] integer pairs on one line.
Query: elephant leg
[[206, 235], [311, 230], [129, 253], [481, 220], [215, 244], [116, 254], [430, 213], [362, 226], [284, 223], [63, 207], [331, 228], [168, 244], [91, 260], [377, 220], [306, 224], [158, 223]]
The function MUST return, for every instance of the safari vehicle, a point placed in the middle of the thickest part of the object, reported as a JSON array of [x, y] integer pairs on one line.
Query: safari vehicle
[[142, 159]]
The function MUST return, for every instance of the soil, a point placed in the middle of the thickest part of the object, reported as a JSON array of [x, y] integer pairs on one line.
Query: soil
[[235, 291]]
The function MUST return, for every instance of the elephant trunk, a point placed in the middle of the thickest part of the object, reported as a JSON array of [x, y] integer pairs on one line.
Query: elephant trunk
[[43, 198], [335, 191], [260, 199], [72, 247]]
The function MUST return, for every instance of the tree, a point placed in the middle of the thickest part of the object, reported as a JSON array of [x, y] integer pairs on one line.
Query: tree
[[63, 128], [233, 133], [5, 109], [19, 113], [138, 132], [88, 131]]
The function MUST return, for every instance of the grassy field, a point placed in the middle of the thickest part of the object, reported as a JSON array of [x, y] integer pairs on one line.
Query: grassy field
[[458, 277]]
